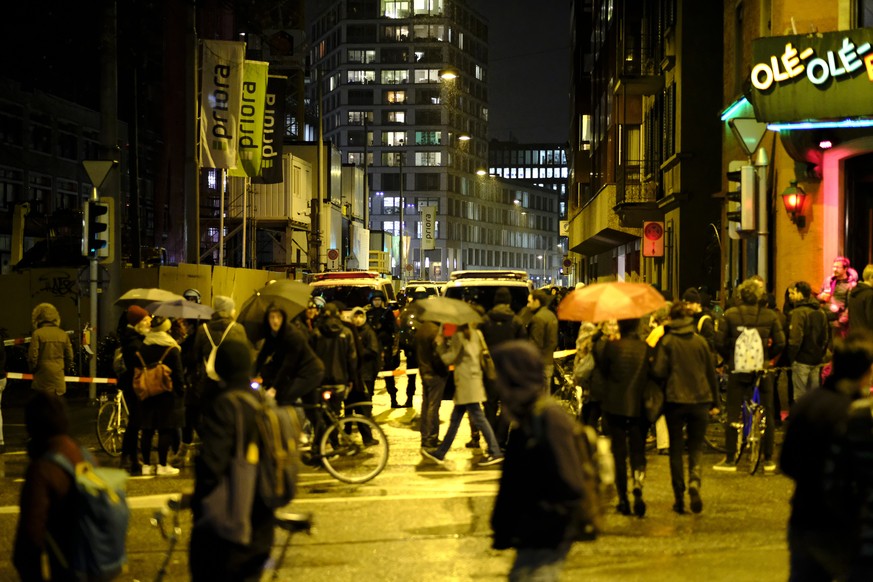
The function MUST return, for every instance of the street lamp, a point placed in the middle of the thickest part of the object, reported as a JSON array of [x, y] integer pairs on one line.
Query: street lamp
[[543, 258], [400, 163]]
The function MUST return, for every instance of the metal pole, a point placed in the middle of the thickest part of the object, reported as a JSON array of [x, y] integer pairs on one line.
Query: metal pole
[[401, 219], [92, 292], [244, 210], [761, 163], [221, 217]]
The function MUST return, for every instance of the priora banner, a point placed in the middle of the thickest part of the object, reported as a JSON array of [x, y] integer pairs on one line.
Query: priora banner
[[220, 99], [274, 131], [428, 227], [251, 119]]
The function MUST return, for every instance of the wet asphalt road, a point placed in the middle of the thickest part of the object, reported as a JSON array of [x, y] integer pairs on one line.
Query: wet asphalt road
[[419, 521]]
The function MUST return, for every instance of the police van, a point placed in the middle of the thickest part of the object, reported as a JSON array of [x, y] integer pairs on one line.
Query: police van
[[478, 287]]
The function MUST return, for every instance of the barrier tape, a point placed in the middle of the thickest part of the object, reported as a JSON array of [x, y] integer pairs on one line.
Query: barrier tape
[[397, 372], [25, 340], [80, 379]]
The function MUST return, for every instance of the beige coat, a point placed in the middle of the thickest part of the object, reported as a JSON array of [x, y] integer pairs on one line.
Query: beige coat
[[50, 352], [465, 353]]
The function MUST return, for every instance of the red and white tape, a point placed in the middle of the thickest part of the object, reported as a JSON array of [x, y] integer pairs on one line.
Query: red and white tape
[[80, 379], [24, 340]]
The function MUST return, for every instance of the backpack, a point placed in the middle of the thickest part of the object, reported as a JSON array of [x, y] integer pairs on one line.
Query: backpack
[[209, 362], [100, 530], [152, 379], [118, 365], [749, 349], [279, 457], [598, 475]]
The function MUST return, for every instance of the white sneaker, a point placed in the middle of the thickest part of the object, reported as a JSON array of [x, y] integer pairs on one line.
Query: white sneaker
[[167, 470], [148, 469]]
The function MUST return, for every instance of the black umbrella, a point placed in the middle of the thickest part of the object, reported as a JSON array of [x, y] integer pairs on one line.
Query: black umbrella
[[291, 297], [447, 310]]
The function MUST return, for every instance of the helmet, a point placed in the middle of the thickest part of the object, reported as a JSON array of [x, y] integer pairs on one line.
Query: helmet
[[317, 302], [192, 295], [377, 293]]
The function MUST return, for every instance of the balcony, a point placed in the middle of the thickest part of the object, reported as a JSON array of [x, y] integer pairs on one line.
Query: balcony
[[635, 201], [638, 65]]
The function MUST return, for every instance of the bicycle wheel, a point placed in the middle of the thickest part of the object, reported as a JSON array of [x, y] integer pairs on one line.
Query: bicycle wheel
[[714, 435], [756, 437], [111, 424], [345, 456]]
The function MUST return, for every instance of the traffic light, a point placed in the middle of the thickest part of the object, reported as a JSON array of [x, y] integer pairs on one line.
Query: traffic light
[[97, 229], [741, 197]]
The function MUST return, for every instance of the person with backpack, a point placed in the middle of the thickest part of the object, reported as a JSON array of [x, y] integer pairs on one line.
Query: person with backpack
[[209, 335], [683, 360], [212, 555], [547, 497], [750, 337], [54, 520], [807, 339], [821, 454], [139, 324], [164, 412]]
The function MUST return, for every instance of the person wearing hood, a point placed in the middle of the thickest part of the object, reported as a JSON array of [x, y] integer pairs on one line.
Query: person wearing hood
[[807, 339], [50, 352], [499, 326], [164, 413], [542, 472], [860, 304], [211, 556], [683, 360], [835, 293], [139, 324]]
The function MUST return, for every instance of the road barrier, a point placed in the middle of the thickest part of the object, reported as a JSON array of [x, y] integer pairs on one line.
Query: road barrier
[[24, 340], [81, 379]]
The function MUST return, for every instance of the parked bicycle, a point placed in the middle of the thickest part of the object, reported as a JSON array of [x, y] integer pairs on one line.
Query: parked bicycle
[[714, 436], [343, 454], [112, 417], [564, 388], [287, 521], [751, 427]]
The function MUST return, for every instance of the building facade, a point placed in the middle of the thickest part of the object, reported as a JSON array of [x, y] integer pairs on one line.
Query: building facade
[[402, 88]]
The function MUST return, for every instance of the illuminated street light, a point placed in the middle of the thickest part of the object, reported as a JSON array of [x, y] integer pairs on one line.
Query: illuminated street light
[[449, 74], [481, 172]]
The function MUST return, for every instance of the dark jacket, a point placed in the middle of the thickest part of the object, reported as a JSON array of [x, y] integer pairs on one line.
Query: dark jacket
[[370, 354], [429, 362], [624, 364], [808, 333], [541, 472], [287, 363], [384, 323], [334, 345], [46, 508], [218, 436], [683, 359], [166, 410], [762, 318], [860, 307], [704, 323], [500, 325], [542, 330], [215, 327]]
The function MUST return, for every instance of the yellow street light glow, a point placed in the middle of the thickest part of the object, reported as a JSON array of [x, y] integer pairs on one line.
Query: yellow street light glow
[[481, 172], [448, 74]]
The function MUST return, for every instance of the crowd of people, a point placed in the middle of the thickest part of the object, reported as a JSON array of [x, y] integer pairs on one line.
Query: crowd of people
[[499, 372]]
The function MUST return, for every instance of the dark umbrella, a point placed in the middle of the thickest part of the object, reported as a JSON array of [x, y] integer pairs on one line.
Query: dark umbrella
[[447, 310], [292, 297], [180, 309], [145, 297]]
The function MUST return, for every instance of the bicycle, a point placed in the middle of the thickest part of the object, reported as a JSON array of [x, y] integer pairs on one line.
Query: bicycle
[[751, 427], [564, 388], [112, 418], [290, 522], [714, 435], [338, 451]]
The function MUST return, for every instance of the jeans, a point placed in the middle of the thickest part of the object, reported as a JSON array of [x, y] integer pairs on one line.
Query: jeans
[[478, 419], [538, 564], [694, 419], [431, 399], [628, 435], [804, 378], [739, 388]]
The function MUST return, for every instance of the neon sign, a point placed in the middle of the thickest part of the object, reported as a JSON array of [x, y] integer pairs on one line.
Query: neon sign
[[819, 69]]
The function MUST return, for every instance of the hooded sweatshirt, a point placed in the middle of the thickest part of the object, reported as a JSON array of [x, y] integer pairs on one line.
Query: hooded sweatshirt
[[683, 359], [860, 307], [333, 343]]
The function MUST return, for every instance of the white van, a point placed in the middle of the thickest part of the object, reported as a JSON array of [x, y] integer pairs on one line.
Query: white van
[[478, 287]]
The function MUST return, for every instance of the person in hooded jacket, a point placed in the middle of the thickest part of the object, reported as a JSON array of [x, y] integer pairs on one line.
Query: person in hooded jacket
[[164, 413], [860, 303], [542, 473], [499, 325], [381, 319], [221, 324], [139, 323], [50, 352], [683, 360], [807, 339], [211, 557], [288, 367]]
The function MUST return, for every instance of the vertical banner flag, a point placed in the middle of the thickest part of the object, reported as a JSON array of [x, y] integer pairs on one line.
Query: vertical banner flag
[[251, 119], [221, 92], [428, 227], [274, 131]]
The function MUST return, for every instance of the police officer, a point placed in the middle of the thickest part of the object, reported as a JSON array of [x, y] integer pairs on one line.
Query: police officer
[[381, 319]]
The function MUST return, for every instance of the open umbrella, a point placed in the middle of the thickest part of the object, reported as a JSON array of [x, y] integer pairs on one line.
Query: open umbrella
[[604, 301], [292, 297], [145, 297], [447, 310], [180, 309]]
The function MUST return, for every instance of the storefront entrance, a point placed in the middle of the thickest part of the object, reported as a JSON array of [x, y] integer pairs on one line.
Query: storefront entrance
[[859, 210]]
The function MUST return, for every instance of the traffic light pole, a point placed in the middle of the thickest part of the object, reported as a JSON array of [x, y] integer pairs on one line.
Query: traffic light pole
[[92, 291]]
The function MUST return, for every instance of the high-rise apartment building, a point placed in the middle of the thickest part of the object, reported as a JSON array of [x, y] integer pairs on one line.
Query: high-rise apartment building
[[403, 89]]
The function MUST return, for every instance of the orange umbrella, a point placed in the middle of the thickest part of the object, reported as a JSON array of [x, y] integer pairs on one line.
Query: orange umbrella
[[604, 301]]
